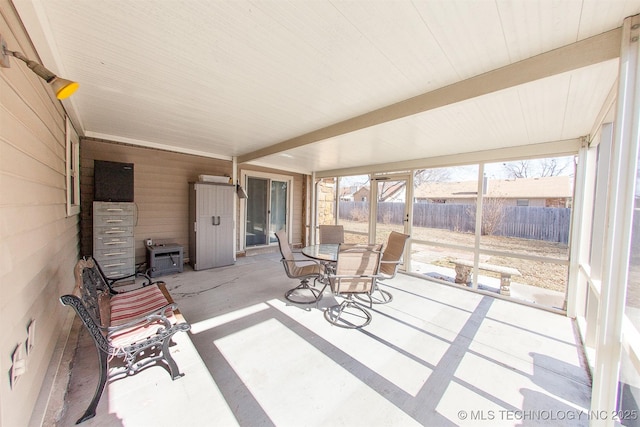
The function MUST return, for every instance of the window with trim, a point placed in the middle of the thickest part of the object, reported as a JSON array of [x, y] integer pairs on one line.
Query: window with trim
[[72, 169]]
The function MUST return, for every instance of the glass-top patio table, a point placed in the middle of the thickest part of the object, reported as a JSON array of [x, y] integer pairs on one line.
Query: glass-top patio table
[[326, 252]]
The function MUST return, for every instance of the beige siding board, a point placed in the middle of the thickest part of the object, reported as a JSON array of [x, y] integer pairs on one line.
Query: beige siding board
[[16, 163], [39, 243], [159, 201], [159, 196], [191, 167], [52, 279], [18, 191], [20, 82], [172, 163], [155, 187], [160, 209], [32, 247], [29, 136], [166, 233], [36, 92], [162, 181], [21, 219], [157, 226], [41, 263], [37, 282], [40, 299], [172, 219]]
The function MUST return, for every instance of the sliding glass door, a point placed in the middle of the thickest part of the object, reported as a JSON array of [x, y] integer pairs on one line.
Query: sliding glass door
[[256, 231], [278, 208], [266, 211]]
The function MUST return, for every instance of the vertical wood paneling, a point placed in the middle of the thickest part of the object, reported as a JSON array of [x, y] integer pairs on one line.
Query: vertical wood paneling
[[39, 244]]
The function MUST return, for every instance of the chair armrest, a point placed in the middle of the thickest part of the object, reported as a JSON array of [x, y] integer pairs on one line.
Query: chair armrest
[[392, 262], [307, 259], [302, 259], [355, 276]]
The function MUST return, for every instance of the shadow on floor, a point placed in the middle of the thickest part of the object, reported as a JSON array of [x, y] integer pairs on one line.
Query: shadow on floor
[[436, 356]]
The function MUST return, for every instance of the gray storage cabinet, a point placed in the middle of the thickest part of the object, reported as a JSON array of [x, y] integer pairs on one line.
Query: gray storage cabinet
[[113, 243], [211, 224]]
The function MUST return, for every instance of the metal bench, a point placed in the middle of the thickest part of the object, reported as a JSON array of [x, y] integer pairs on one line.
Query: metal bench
[[135, 325], [463, 268]]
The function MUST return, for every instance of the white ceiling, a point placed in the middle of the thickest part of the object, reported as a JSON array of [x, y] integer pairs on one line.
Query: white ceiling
[[311, 85]]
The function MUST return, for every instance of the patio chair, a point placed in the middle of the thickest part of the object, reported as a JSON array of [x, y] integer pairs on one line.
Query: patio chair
[[356, 273], [391, 260], [301, 269], [331, 234]]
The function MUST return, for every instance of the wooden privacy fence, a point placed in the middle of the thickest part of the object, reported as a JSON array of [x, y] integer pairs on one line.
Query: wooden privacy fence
[[548, 224]]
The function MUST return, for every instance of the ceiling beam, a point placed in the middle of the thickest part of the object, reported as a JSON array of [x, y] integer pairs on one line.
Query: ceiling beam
[[565, 147], [596, 49]]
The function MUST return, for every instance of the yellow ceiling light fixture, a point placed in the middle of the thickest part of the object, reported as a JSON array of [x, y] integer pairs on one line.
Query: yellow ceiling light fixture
[[63, 88]]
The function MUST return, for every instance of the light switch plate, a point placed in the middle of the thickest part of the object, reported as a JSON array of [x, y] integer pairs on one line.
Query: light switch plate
[[18, 365], [31, 336]]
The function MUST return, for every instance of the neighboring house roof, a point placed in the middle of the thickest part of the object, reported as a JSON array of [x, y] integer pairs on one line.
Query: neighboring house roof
[[389, 191], [520, 188], [348, 192]]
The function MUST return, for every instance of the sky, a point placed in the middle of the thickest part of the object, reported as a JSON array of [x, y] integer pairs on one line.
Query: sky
[[470, 173]]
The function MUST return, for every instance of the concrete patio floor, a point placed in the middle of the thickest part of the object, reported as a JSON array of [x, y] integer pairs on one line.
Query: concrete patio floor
[[435, 356]]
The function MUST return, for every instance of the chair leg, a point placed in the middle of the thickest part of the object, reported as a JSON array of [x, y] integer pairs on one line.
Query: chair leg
[[325, 283], [303, 286], [103, 360], [334, 314], [378, 296]]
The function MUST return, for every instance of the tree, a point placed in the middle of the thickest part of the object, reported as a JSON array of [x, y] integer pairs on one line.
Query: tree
[[539, 168], [517, 169], [492, 215], [431, 175]]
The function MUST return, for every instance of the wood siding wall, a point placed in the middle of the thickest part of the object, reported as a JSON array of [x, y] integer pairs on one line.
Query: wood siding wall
[[161, 190], [39, 242]]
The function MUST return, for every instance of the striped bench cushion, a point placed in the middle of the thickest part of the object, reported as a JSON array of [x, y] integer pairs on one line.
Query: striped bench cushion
[[133, 304]]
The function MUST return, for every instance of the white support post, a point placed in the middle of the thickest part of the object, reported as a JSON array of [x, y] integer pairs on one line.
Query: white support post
[[234, 180], [409, 206], [314, 209], [578, 233], [479, 202], [620, 203], [373, 208]]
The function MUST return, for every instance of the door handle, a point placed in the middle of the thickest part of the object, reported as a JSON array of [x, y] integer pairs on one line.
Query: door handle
[[215, 220]]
